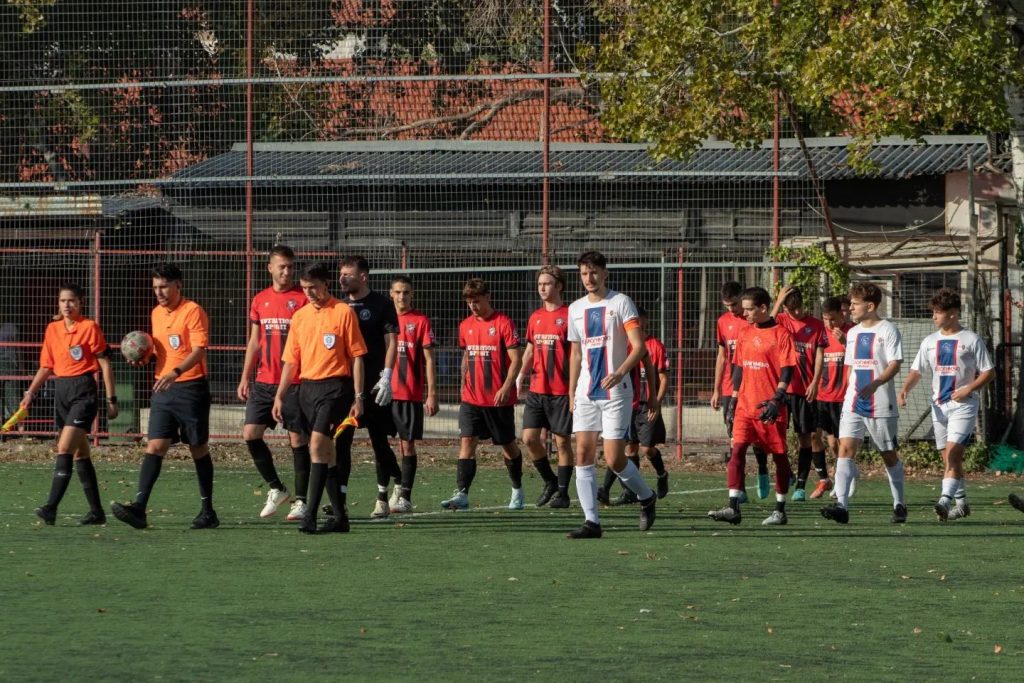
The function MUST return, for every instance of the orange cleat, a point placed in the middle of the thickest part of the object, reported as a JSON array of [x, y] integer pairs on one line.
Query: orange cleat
[[823, 486]]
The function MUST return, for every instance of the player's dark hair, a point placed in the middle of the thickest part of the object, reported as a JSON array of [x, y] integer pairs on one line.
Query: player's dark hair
[[283, 250], [358, 262], [167, 271], [866, 291], [594, 259], [945, 300], [475, 287], [731, 290], [758, 296], [404, 279], [315, 272], [794, 299], [844, 300], [75, 289], [555, 272], [641, 311], [833, 304]]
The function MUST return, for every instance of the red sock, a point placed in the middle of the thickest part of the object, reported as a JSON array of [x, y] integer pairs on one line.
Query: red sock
[[783, 472], [737, 466]]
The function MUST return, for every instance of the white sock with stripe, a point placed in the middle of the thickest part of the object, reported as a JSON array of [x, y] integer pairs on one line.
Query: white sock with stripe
[[586, 491]]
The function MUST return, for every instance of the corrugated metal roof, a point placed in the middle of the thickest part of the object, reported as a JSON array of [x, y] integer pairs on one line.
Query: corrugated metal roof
[[454, 162]]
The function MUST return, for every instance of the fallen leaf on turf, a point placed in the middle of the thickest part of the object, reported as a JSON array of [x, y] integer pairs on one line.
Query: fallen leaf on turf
[[362, 630], [645, 611], [103, 611], [400, 525], [904, 577], [917, 629], [512, 578], [270, 654], [771, 631], [997, 649], [622, 552], [942, 578]]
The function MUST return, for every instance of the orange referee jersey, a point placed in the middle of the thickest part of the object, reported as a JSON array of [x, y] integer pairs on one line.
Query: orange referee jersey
[[175, 333], [73, 352], [323, 341]]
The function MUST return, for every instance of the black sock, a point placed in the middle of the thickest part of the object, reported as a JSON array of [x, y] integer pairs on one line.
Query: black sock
[[264, 461], [465, 472], [300, 458], [204, 472], [543, 467], [820, 465], [803, 466], [762, 461], [609, 480], [409, 463], [780, 506], [385, 458], [344, 462], [635, 459], [148, 474], [317, 479], [564, 476], [734, 503], [61, 479], [515, 470], [657, 462], [87, 475], [335, 495], [332, 481]]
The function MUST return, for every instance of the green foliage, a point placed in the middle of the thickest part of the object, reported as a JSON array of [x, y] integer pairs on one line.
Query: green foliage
[[922, 455], [814, 265]]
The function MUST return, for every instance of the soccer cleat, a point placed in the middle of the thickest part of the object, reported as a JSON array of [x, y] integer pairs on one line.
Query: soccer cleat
[[777, 518], [726, 514], [627, 497], [559, 500], [647, 512], [764, 486], [743, 497], [47, 513], [550, 489], [206, 520], [516, 501], [396, 493], [403, 506], [307, 525], [959, 512], [458, 501], [899, 514], [333, 525], [297, 512], [132, 514], [380, 510], [602, 496], [588, 530], [275, 499], [819, 490], [1015, 500], [92, 517], [662, 485], [836, 514], [942, 510], [799, 495]]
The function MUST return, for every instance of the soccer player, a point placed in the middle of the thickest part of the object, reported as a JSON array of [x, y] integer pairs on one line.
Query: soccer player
[[802, 393], [762, 368], [874, 353], [960, 367], [269, 319], [647, 429], [180, 407], [491, 359], [832, 387], [601, 325], [378, 323], [414, 365], [74, 348], [325, 348], [547, 403]]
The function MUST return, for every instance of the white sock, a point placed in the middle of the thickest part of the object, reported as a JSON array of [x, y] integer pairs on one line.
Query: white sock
[[382, 489], [735, 493], [949, 488], [845, 469], [632, 479], [780, 497], [960, 494], [896, 482], [586, 491]]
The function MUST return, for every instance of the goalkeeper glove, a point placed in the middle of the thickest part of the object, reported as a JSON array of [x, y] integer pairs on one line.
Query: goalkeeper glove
[[771, 408], [382, 389]]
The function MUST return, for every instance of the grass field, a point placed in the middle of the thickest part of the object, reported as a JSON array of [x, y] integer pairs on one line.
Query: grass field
[[494, 595]]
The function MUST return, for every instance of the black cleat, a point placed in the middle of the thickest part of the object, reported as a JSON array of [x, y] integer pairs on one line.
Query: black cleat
[[647, 513], [328, 510], [602, 496], [726, 514], [307, 525], [550, 489], [332, 525], [627, 497], [132, 514], [47, 513], [662, 485], [588, 530], [206, 520], [836, 513], [559, 500], [92, 517], [899, 514], [1015, 500]]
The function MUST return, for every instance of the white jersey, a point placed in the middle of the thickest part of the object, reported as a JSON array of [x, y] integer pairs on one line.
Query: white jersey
[[954, 361], [869, 350], [600, 329]]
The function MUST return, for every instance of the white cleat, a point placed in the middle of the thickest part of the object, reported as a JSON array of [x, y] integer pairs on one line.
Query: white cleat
[[959, 512], [777, 518], [381, 510], [403, 506], [297, 512], [458, 501], [275, 499], [516, 502], [396, 494]]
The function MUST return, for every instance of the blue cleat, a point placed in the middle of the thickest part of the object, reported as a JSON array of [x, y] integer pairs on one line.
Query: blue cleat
[[799, 494], [764, 486]]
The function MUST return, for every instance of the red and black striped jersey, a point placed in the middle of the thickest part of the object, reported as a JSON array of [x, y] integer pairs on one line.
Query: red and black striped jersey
[[409, 376], [272, 311], [486, 342], [548, 332]]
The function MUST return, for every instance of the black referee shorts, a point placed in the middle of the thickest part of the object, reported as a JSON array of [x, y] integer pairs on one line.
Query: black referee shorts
[[496, 424], [324, 403], [545, 411], [75, 401], [181, 413], [259, 407]]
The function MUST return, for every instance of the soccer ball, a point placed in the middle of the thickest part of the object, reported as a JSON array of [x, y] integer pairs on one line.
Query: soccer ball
[[137, 347]]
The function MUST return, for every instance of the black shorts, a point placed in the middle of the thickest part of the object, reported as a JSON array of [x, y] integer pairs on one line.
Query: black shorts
[[181, 413], [75, 402], [377, 419], [324, 403], [496, 424], [647, 433], [724, 403], [803, 413], [545, 411], [828, 416], [408, 419], [260, 405]]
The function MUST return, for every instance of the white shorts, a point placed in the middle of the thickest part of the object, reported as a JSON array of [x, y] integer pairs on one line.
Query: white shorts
[[612, 417], [953, 422], [882, 430]]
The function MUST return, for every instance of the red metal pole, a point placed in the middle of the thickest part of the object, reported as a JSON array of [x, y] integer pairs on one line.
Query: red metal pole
[[680, 336], [96, 317], [546, 140], [776, 180], [250, 165], [1007, 359], [404, 256]]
